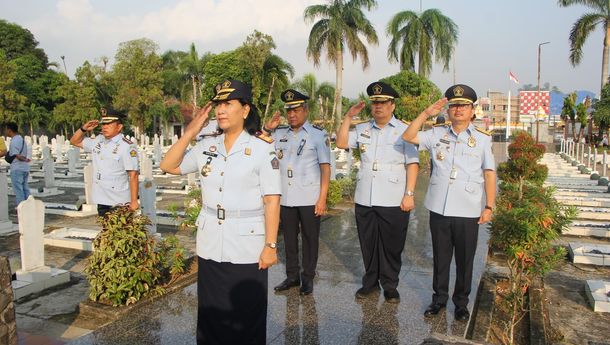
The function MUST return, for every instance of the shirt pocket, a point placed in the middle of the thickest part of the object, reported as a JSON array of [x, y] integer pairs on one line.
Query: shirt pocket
[[252, 228]]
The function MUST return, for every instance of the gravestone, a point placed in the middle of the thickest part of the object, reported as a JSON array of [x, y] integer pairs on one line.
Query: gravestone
[[6, 226], [88, 176], [148, 200], [46, 153], [34, 276], [48, 166], [73, 158], [157, 153], [146, 168]]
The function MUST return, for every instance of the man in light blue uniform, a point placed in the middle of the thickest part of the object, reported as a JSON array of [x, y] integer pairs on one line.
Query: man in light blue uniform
[[464, 171], [304, 153], [384, 190], [115, 162]]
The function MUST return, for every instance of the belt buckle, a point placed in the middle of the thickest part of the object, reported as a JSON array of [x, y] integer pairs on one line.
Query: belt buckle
[[220, 213]]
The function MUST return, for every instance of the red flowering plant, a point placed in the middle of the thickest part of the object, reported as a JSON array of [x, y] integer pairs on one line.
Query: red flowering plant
[[526, 221]]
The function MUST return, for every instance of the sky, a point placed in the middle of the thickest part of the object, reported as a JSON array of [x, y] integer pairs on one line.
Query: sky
[[494, 36]]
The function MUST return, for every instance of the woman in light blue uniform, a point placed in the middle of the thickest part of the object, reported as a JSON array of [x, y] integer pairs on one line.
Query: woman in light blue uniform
[[238, 222]]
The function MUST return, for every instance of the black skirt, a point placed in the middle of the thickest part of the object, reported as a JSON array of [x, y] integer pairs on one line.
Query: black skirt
[[232, 303]]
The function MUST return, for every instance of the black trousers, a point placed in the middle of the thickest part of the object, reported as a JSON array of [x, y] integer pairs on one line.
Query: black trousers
[[231, 303], [382, 232], [292, 221], [449, 235], [103, 209]]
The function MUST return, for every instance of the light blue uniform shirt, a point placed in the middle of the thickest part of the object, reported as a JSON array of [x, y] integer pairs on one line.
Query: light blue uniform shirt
[[235, 182], [18, 146], [111, 158], [384, 155], [300, 154], [456, 186]]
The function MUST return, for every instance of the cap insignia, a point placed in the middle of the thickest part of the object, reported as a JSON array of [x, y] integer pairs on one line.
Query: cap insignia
[[377, 89], [458, 91], [289, 96]]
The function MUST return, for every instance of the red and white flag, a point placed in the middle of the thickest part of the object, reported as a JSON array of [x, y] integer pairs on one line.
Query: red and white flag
[[512, 77]]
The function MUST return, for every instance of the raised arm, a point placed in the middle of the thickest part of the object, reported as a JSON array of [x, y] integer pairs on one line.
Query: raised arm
[[410, 134], [79, 135], [172, 159], [343, 131]]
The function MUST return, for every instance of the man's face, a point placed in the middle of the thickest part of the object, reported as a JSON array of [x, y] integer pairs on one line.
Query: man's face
[[460, 112], [297, 116], [382, 109], [110, 130]]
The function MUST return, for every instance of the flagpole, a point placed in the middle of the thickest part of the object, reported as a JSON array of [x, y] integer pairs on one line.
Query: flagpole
[[508, 118]]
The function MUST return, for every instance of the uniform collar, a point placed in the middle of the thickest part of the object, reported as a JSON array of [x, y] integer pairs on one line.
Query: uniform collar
[[115, 139], [306, 126], [243, 139], [393, 121], [469, 130]]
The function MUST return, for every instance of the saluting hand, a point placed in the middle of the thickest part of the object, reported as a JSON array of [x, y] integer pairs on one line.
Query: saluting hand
[[274, 121], [268, 258], [355, 109], [90, 125], [198, 121], [436, 107]]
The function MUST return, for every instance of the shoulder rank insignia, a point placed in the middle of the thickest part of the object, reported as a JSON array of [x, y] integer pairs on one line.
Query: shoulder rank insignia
[[483, 131], [406, 122], [264, 138], [127, 141], [441, 125], [317, 127]]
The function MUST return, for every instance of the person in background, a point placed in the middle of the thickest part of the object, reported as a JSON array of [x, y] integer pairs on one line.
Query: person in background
[[20, 166]]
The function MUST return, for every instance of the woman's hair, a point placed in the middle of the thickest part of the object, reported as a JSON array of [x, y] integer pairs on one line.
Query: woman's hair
[[252, 123]]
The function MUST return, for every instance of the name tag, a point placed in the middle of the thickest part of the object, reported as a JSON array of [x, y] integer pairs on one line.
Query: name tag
[[445, 141], [283, 140], [208, 153], [365, 135]]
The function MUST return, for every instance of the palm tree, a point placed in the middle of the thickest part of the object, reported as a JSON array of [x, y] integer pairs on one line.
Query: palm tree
[[585, 25], [275, 74], [341, 25], [191, 66], [424, 35]]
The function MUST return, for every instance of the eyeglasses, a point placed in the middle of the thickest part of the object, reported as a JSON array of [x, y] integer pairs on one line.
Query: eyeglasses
[[380, 102]]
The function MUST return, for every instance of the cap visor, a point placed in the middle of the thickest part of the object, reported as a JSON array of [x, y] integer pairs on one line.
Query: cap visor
[[460, 101], [381, 98]]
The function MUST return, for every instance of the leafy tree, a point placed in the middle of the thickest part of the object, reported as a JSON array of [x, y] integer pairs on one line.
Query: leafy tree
[[424, 35], [191, 68], [137, 76], [254, 52], [601, 110], [275, 73], [582, 28], [583, 119], [16, 41], [32, 116], [226, 65], [342, 24], [10, 100], [569, 113], [416, 93]]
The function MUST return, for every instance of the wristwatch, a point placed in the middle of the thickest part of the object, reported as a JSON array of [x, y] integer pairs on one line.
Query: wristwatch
[[489, 208], [267, 130], [271, 245], [83, 129], [409, 193]]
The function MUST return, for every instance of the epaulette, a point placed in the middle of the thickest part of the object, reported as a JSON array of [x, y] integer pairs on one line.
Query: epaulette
[[440, 124], [317, 127], [483, 131], [127, 141], [264, 137], [408, 123]]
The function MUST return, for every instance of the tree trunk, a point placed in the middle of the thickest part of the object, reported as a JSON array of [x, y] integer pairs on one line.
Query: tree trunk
[[31, 130], [194, 94], [269, 97], [338, 88], [605, 55]]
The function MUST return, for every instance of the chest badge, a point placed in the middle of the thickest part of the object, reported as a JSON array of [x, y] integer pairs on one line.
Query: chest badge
[[280, 154], [206, 169], [362, 148], [440, 156], [471, 141]]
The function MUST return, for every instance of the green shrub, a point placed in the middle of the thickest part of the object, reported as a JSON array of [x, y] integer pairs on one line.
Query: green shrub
[[127, 265], [335, 194], [527, 220], [192, 207]]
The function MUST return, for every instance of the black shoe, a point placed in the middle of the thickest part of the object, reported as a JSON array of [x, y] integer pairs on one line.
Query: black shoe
[[363, 293], [306, 288], [462, 314], [391, 296], [287, 284], [434, 308]]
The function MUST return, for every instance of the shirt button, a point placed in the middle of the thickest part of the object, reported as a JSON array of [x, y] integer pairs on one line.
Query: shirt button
[[220, 189], [251, 231], [225, 159], [222, 173], [220, 222], [289, 183]]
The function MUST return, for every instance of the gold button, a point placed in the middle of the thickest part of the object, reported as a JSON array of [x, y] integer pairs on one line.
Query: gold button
[[290, 184], [251, 231], [220, 222], [220, 189], [222, 173]]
